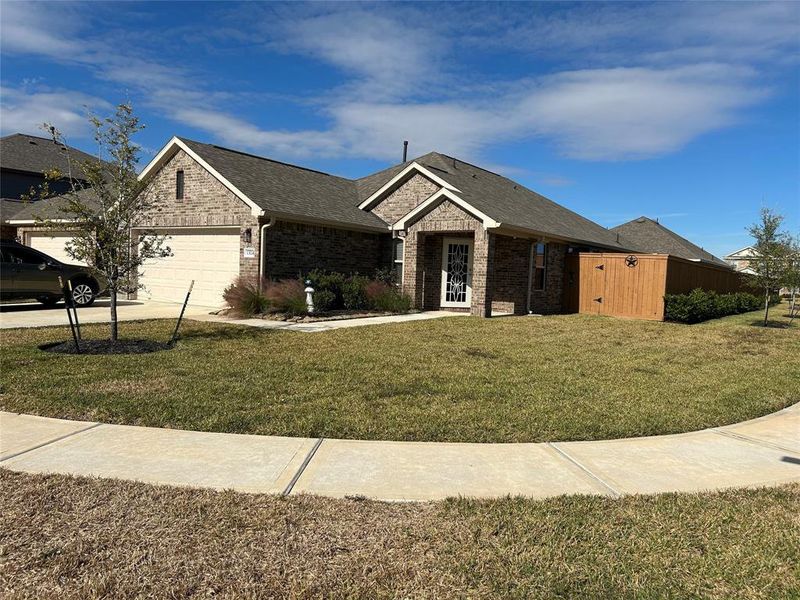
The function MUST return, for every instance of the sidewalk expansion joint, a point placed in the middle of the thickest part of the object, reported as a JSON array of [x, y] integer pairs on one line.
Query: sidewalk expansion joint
[[756, 441], [303, 466], [49, 442], [596, 478]]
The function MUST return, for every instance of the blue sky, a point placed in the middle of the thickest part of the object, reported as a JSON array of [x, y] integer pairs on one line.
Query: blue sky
[[689, 112]]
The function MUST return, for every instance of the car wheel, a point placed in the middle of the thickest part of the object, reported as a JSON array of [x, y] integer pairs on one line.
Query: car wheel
[[48, 300], [82, 294]]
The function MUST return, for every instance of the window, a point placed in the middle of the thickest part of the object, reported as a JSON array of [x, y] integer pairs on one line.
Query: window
[[23, 256], [179, 185], [539, 266], [397, 256]]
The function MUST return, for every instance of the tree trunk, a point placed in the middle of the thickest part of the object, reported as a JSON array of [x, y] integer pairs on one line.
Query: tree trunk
[[114, 329], [766, 307]]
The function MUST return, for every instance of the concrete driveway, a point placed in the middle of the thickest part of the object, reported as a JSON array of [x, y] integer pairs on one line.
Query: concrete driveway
[[33, 314]]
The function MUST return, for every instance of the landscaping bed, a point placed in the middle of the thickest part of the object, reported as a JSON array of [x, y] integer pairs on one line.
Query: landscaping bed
[[571, 377], [65, 537]]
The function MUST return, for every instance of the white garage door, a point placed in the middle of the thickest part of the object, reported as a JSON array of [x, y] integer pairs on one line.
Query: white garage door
[[209, 256], [52, 244]]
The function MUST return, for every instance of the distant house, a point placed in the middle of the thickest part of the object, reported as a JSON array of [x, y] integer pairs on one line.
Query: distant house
[[23, 162], [740, 260]]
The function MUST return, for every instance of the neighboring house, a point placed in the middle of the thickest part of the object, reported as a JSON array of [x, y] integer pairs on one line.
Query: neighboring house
[[461, 237], [648, 235], [23, 162], [740, 260]]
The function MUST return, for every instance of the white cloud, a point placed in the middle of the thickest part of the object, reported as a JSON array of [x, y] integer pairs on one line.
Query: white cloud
[[651, 88], [623, 113], [25, 112]]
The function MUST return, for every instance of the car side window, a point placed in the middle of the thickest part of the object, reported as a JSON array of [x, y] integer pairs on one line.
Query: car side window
[[22, 256]]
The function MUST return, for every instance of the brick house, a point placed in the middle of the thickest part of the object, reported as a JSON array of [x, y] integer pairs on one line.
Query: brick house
[[23, 161], [460, 237]]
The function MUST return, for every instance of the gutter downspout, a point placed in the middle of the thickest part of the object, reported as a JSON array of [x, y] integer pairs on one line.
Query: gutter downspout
[[262, 248]]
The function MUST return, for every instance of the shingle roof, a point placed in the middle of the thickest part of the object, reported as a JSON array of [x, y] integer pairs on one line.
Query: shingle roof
[[514, 205], [49, 208], [10, 207], [33, 154], [647, 235], [287, 189]]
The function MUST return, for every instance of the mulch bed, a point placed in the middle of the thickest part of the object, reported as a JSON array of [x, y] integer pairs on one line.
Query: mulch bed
[[106, 347]]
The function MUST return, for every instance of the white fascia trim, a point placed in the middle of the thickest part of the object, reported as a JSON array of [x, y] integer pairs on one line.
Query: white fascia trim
[[34, 222], [175, 142], [439, 197], [414, 166]]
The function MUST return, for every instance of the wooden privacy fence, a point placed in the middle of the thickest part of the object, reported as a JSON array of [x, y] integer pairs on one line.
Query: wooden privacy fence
[[634, 285]]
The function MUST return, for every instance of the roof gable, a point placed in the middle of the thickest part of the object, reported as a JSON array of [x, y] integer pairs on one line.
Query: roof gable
[[399, 179], [277, 188]]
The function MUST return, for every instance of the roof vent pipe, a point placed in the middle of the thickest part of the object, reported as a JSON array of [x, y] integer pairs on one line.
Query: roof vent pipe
[[405, 150]]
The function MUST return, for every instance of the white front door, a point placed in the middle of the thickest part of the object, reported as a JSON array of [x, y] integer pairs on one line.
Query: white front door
[[456, 272]]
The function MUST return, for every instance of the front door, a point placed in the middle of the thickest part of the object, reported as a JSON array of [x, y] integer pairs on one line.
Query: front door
[[456, 273]]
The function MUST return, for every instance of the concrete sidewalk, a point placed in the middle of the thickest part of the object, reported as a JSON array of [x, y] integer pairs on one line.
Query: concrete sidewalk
[[764, 451], [319, 326], [33, 314]]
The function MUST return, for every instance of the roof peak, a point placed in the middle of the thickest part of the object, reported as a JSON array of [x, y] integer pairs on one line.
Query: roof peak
[[258, 156]]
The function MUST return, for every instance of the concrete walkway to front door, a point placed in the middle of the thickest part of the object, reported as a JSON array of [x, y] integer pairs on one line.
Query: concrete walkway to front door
[[764, 451]]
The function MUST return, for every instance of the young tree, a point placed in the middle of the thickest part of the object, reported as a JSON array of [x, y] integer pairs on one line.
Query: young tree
[[772, 252], [791, 278], [105, 205]]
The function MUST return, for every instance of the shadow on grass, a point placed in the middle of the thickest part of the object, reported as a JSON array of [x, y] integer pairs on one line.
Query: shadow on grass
[[226, 332], [770, 324]]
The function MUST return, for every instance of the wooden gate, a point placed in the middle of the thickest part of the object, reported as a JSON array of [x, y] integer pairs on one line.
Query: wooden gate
[[618, 285]]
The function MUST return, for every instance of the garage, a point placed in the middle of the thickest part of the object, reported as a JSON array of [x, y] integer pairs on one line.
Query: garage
[[210, 257], [52, 243]]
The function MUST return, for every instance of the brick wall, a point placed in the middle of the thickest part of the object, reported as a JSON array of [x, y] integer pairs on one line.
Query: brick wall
[[511, 264], [549, 300], [406, 197], [294, 249]]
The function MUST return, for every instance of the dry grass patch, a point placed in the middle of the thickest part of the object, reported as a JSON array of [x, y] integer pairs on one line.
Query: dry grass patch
[[457, 379], [65, 537]]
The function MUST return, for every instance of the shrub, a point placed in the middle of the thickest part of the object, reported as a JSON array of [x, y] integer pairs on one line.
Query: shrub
[[386, 275], [287, 297], [354, 292], [391, 300], [245, 297], [701, 305], [325, 301], [327, 289]]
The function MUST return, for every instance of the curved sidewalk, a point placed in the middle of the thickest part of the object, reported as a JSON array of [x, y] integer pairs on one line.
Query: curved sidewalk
[[759, 452]]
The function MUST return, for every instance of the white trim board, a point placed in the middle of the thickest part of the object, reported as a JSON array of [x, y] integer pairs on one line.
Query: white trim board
[[402, 175], [176, 142], [436, 199]]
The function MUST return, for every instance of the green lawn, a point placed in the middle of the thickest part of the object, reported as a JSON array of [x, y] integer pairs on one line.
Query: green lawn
[[458, 379], [64, 537]]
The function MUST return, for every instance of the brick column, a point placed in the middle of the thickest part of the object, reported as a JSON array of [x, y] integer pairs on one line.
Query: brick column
[[413, 263], [482, 273]]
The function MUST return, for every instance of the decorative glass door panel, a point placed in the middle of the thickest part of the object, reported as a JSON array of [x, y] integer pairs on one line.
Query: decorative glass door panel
[[456, 272]]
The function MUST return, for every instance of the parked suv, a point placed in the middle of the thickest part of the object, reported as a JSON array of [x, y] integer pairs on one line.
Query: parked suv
[[27, 273]]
